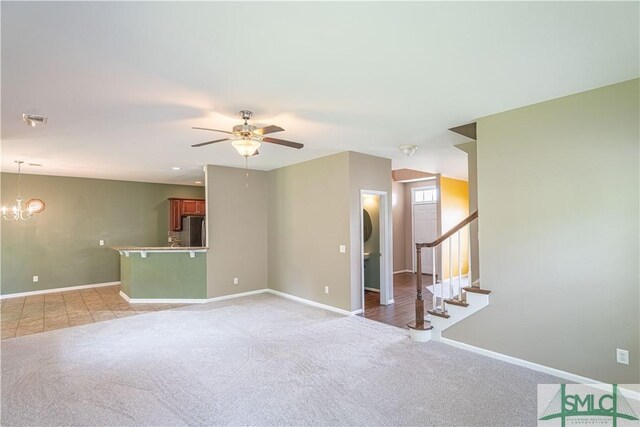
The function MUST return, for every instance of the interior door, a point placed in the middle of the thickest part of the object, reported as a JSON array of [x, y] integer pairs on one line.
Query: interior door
[[425, 228]]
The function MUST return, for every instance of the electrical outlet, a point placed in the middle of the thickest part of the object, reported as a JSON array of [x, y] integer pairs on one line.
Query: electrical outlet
[[101, 242], [326, 289], [343, 249], [235, 280], [622, 356], [35, 278]]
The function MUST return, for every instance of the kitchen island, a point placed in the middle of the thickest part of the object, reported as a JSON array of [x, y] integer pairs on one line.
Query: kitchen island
[[163, 274]]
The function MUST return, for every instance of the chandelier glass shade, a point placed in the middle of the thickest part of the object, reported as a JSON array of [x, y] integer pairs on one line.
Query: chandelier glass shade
[[246, 147], [17, 211]]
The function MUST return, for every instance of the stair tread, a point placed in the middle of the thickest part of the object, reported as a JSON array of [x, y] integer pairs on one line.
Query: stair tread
[[427, 326], [442, 314], [477, 290], [454, 301]]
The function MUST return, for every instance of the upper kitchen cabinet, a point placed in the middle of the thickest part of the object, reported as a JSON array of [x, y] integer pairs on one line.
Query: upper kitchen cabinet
[[193, 207], [184, 207]]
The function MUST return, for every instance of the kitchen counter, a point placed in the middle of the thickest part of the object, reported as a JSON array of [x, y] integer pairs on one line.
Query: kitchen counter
[[144, 250], [162, 273]]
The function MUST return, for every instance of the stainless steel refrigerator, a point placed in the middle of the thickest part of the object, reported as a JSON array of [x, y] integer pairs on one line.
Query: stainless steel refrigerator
[[193, 231]]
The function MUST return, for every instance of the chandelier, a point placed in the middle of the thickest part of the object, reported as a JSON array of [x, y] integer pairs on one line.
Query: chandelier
[[17, 211]]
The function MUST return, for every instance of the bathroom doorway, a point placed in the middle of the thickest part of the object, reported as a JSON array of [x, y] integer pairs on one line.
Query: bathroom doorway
[[376, 268]]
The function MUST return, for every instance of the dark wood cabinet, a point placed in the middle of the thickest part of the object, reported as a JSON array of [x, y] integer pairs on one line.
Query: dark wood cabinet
[[189, 207], [200, 207], [175, 216], [184, 207]]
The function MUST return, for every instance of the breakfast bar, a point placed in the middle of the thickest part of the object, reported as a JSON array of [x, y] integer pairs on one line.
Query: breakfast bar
[[163, 274]]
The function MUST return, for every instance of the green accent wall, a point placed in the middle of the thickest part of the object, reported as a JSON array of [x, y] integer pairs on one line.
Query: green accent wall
[[61, 244], [164, 275]]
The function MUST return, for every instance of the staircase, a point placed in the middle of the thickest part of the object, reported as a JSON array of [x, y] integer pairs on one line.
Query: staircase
[[452, 301]]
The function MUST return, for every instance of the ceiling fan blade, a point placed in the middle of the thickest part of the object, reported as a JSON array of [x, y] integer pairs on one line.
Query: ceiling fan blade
[[214, 130], [283, 142], [267, 129], [210, 142]]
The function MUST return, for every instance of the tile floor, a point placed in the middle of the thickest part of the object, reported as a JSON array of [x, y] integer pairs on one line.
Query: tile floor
[[40, 313]]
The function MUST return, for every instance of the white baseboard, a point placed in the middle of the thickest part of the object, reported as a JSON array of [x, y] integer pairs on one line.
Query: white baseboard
[[238, 295], [372, 289], [403, 271], [531, 365], [188, 300], [162, 300], [313, 303], [53, 290]]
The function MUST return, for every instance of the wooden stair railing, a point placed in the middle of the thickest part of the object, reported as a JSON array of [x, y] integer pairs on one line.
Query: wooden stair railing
[[441, 311]]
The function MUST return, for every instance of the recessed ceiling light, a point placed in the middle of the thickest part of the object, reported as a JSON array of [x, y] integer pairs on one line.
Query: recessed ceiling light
[[197, 182], [175, 168]]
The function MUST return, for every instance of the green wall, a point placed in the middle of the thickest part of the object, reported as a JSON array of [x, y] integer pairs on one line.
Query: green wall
[[164, 275], [60, 245]]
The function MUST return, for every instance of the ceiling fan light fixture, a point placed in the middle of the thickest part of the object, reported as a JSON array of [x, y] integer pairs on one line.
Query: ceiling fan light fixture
[[246, 147], [408, 150]]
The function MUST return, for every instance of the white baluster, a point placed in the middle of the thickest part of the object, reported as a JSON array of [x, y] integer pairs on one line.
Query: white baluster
[[450, 240], [459, 270], [433, 277], [469, 275]]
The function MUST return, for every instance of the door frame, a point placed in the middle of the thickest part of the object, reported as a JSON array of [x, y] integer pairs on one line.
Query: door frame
[[386, 245], [413, 234]]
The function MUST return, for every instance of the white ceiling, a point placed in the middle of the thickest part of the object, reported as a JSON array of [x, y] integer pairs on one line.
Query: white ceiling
[[122, 83]]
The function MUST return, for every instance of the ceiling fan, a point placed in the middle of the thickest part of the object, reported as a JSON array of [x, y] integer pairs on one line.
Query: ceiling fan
[[247, 138]]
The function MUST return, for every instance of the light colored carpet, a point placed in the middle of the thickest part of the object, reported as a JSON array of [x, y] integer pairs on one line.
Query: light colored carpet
[[259, 360]]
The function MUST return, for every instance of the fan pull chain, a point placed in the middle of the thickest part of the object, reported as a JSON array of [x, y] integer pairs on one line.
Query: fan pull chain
[[246, 173]]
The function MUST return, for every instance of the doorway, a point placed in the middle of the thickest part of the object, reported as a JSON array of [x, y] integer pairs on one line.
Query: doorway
[[424, 210], [375, 239]]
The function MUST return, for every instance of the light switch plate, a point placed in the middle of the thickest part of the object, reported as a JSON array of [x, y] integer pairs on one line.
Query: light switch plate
[[326, 289], [35, 278], [235, 280], [343, 249], [101, 242]]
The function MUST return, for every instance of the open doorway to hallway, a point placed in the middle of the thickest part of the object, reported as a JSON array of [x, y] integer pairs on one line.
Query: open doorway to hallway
[[376, 243], [371, 246]]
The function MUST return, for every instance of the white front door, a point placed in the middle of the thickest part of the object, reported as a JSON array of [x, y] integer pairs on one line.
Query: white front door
[[425, 228]]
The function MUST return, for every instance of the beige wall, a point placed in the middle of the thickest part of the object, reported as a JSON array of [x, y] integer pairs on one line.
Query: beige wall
[[365, 173], [472, 163], [237, 230], [399, 258], [284, 232], [308, 221], [558, 201]]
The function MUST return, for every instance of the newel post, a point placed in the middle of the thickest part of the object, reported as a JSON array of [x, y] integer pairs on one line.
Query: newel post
[[419, 301], [418, 329]]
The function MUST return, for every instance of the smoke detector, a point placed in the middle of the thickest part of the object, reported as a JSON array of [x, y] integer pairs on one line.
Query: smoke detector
[[33, 120], [408, 150]]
